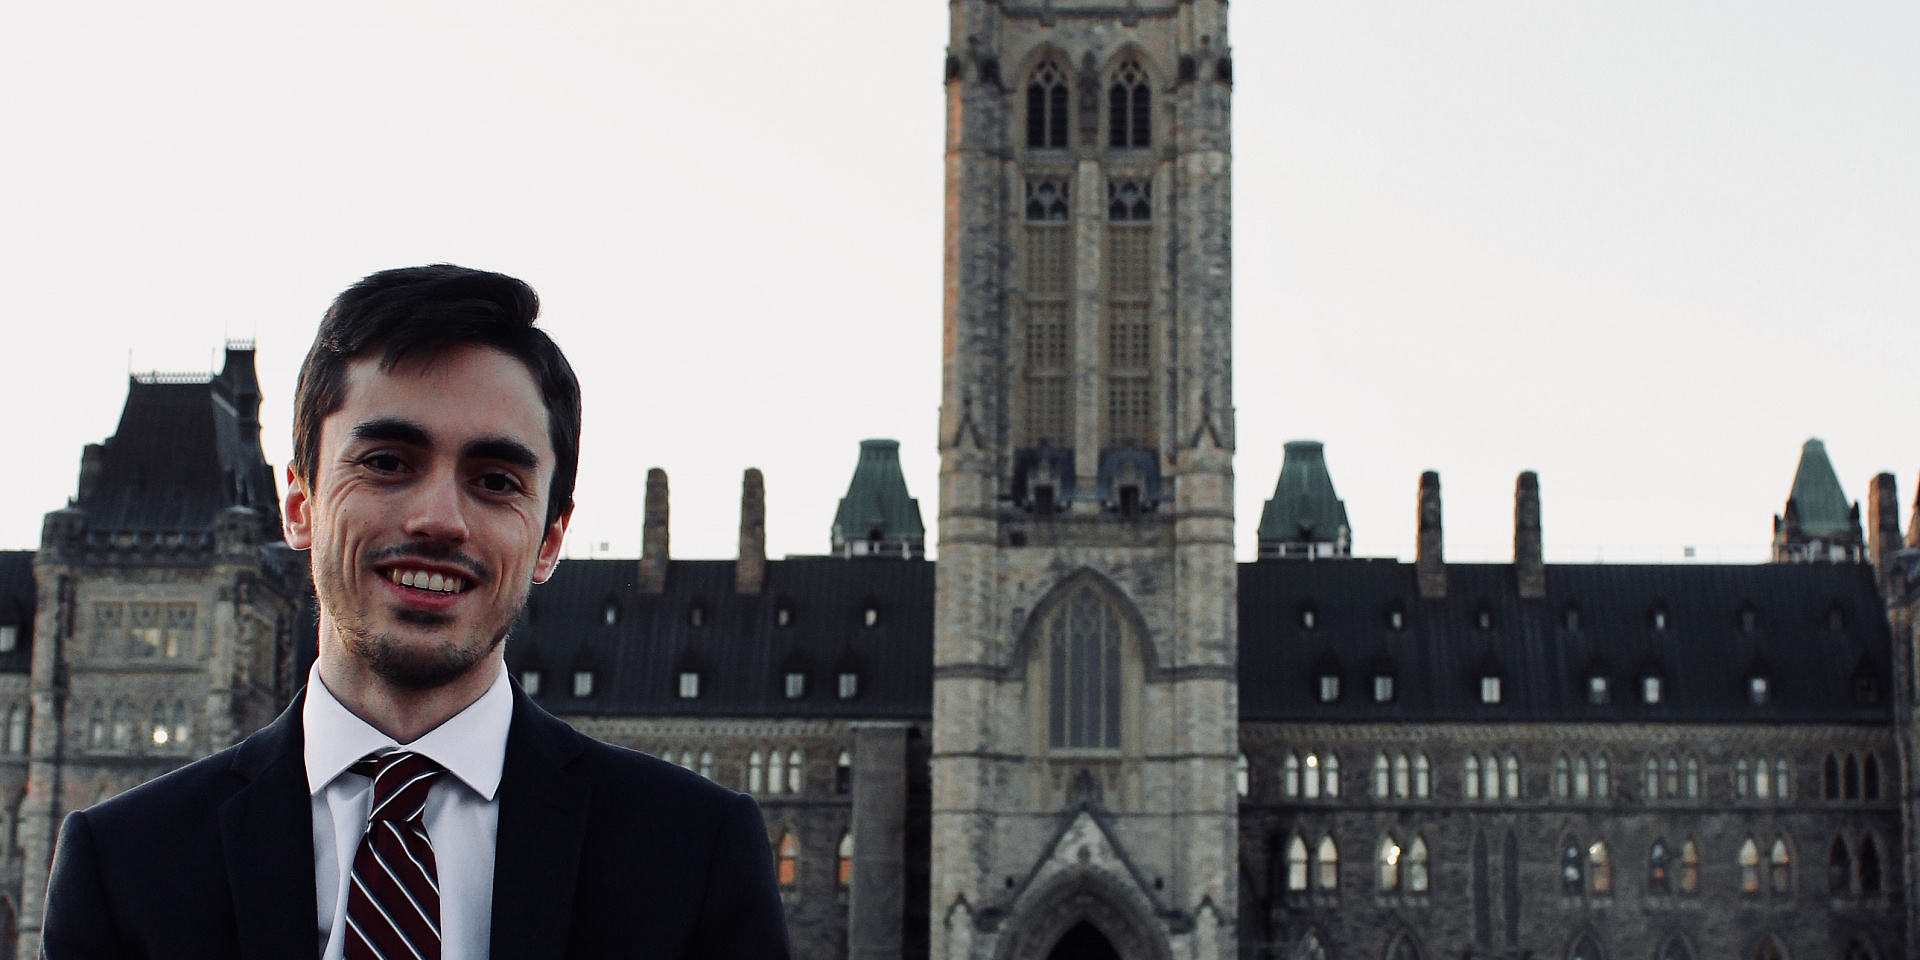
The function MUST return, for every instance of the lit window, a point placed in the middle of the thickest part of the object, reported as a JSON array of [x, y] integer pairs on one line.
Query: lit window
[[1490, 771], [530, 682], [1484, 620], [1382, 779], [1312, 781], [849, 686], [796, 686], [1597, 692], [1389, 865], [1400, 786], [1562, 778], [1383, 689], [1781, 865], [706, 764], [1749, 867], [1762, 779], [9, 639], [1658, 867], [1740, 783], [1602, 778], [1396, 620], [1693, 778], [843, 773], [844, 872], [1489, 689], [1307, 618], [1297, 864], [1757, 690], [1511, 777], [158, 730], [689, 684], [1689, 868], [611, 614], [794, 778], [1329, 864], [783, 616], [1582, 778], [1573, 870], [1422, 777], [1332, 772], [1599, 870], [870, 615], [1783, 778], [1242, 775], [1650, 788], [1660, 620], [1470, 778], [756, 772], [1329, 689], [1290, 777], [583, 683], [1650, 689], [789, 871], [1417, 866], [776, 771]]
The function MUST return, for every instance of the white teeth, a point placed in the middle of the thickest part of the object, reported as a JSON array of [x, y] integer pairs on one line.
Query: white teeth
[[435, 582], [422, 580]]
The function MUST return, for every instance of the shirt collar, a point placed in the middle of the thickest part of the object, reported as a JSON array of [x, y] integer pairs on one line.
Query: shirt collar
[[471, 745]]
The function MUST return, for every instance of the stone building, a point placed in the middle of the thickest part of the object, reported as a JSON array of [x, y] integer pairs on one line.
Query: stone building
[[1086, 731]]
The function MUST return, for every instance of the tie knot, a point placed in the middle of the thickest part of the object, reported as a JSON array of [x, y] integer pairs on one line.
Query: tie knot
[[400, 783]]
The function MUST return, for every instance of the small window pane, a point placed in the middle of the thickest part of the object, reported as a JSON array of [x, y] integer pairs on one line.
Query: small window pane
[[583, 683], [530, 682], [1597, 692], [689, 685], [1297, 865], [1650, 689], [796, 686], [849, 686], [9, 639], [1382, 689], [1489, 689], [1329, 689]]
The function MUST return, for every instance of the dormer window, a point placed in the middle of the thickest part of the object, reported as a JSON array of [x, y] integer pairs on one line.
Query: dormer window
[[1749, 621], [1483, 619], [1758, 691], [9, 638], [1599, 691], [689, 684], [583, 683], [849, 685], [783, 614], [530, 682], [1650, 690], [1329, 688], [1383, 688], [1309, 617], [1570, 617], [796, 685], [1396, 619], [696, 615], [1490, 689], [1659, 619], [870, 614]]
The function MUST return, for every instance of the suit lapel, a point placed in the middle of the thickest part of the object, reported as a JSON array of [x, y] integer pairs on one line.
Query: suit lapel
[[543, 823], [266, 834]]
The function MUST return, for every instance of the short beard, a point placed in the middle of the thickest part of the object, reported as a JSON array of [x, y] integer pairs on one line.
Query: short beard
[[413, 666]]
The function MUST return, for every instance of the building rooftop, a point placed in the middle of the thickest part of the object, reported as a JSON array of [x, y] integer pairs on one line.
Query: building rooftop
[[1817, 497], [1304, 508]]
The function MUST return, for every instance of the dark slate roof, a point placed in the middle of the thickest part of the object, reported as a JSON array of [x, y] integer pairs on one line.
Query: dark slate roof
[[1304, 508], [1705, 656], [1817, 495], [739, 649], [187, 447], [877, 499], [19, 596]]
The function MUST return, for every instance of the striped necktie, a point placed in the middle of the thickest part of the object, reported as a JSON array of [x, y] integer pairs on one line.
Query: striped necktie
[[393, 903]]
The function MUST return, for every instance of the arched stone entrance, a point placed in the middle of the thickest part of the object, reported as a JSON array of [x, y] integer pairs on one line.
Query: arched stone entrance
[[1083, 942]]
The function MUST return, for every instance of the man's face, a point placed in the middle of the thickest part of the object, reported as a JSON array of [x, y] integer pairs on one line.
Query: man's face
[[427, 513]]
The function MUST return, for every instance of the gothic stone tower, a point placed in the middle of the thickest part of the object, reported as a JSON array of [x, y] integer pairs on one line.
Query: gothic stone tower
[[1085, 695]]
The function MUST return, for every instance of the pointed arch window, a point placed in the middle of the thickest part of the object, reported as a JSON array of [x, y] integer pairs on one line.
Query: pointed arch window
[[1382, 777], [1659, 867], [97, 728], [1562, 781], [1831, 780], [1870, 778], [1839, 867], [1290, 777], [1599, 868], [1331, 770], [1327, 865], [1297, 864], [1422, 777], [1782, 779], [789, 862], [17, 730], [1470, 777], [776, 771], [1602, 778], [1780, 867], [1582, 779], [1762, 779], [1047, 107], [1689, 867], [1129, 108], [843, 773], [1084, 645], [1389, 865], [794, 777], [756, 773], [706, 764], [1869, 866], [1693, 778], [1850, 783], [843, 867], [1490, 778], [1749, 866], [1510, 777], [1584, 949], [1401, 784], [1417, 866], [1242, 775], [1573, 868]]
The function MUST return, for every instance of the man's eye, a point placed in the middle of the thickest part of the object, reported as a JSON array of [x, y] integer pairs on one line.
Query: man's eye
[[383, 462], [498, 483]]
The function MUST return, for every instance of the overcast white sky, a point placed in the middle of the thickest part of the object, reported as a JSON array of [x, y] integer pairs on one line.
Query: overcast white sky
[[1645, 247]]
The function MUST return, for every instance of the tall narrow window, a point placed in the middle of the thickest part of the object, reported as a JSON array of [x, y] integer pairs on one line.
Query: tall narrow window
[[1382, 777], [1510, 777], [1047, 107], [756, 772], [1331, 770], [1650, 789], [1673, 776], [1417, 866], [1290, 777], [1599, 868], [1048, 314], [1851, 784], [1869, 866], [843, 773], [1573, 868], [1869, 777], [1297, 864], [17, 730], [1084, 639], [1689, 867], [1129, 108], [706, 764], [1312, 777], [1422, 777], [1659, 867], [1602, 778], [1693, 778], [1562, 784], [1242, 775], [1400, 780], [844, 855], [1740, 781], [1328, 861], [1781, 864], [789, 864], [1749, 866], [1490, 772], [776, 771], [794, 777], [1129, 302], [1389, 865], [1762, 779], [1839, 867], [1582, 778], [1782, 779], [1470, 778], [1832, 778]]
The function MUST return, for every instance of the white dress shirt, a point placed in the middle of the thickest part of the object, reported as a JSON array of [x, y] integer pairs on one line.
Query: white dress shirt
[[462, 814]]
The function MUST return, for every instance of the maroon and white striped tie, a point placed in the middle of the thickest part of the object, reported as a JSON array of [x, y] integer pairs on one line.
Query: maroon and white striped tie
[[393, 903]]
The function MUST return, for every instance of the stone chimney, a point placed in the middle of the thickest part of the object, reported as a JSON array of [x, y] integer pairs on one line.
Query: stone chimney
[[1429, 563], [750, 571], [1529, 563], [653, 535], [1883, 523]]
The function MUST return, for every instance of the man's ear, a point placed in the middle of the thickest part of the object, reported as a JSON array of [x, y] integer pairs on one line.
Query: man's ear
[[549, 556], [298, 525]]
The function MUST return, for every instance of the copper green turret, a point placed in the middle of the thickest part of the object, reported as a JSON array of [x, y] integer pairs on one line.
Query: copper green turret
[[1818, 523], [877, 517], [1304, 520]]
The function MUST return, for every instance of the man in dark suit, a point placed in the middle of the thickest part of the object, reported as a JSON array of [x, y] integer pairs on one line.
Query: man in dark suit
[[413, 802]]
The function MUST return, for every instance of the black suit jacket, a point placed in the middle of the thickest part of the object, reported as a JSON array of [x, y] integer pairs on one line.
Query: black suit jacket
[[601, 852]]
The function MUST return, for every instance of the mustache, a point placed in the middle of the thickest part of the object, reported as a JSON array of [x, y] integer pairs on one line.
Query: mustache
[[436, 552]]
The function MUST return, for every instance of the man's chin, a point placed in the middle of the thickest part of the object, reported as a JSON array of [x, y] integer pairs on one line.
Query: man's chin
[[412, 659]]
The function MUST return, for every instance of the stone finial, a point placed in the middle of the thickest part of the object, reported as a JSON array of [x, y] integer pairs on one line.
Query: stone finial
[[1883, 527], [750, 571], [1430, 565], [1529, 562], [653, 535]]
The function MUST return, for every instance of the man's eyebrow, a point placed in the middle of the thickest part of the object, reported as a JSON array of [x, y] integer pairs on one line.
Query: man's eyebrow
[[393, 430], [510, 452]]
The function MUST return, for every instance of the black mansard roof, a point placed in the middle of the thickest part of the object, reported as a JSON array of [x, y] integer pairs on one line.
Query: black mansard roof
[[19, 597], [1816, 632], [188, 447], [736, 643]]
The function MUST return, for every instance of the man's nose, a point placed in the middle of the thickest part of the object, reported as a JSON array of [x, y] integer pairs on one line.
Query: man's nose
[[437, 510]]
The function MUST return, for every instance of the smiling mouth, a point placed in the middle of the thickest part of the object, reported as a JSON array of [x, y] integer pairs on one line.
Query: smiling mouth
[[428, 580]]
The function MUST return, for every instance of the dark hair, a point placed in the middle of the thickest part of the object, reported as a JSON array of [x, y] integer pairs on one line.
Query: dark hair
[[422, 312]]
